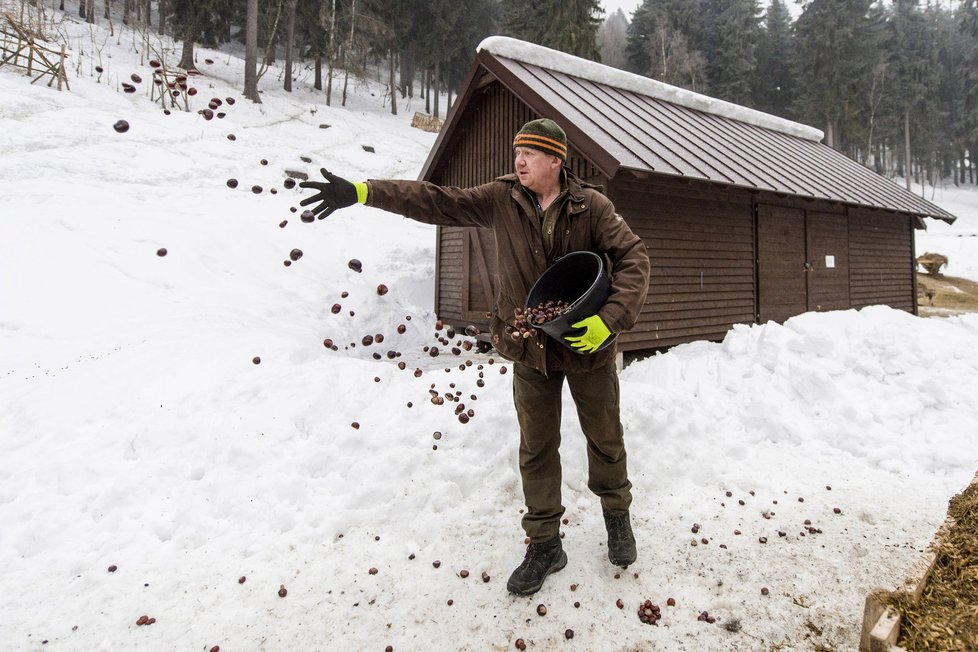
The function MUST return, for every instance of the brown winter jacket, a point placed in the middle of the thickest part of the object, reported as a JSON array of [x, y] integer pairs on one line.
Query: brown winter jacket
[[587, 222]]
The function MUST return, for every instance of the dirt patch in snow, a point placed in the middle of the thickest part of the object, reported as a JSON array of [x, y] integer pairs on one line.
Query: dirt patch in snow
[[945, 295]]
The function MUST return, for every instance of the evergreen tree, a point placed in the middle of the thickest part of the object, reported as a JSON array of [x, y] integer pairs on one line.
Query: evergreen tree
[[736, 30], [573, 28], [911, 61], [836, 50], [570, 26], [969, 29], [773, 83], [954, 47]]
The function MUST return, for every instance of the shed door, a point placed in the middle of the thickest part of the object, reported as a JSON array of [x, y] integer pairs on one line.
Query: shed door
[[802, 262], [479, 263], [782, 286], [828, 257]]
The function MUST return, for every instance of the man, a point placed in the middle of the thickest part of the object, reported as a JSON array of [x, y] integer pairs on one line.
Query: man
[[537, 215]]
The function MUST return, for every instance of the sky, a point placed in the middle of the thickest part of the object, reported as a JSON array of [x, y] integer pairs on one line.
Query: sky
[[177, 440], [627, 6]]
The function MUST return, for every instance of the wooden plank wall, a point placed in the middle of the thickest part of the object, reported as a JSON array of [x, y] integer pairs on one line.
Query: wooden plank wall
[[701, 244], [881, 268]]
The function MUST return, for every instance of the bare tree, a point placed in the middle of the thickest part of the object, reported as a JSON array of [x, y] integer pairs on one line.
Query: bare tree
[[612, 38], [251, 52], [672, 60], [330, 57]]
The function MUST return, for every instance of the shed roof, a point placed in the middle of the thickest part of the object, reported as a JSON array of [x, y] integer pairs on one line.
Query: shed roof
[[619, 120]]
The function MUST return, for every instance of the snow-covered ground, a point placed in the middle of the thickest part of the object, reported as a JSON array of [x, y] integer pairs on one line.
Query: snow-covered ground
[[958, 241], [137, 432]]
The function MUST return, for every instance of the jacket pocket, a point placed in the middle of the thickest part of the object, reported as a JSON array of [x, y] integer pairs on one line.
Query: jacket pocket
[[501, 327]]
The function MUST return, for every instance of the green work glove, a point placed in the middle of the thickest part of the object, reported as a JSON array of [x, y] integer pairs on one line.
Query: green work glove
[[594, 336], [338, 193]]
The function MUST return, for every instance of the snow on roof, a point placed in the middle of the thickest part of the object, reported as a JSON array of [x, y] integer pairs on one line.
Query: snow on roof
[[568, 64]]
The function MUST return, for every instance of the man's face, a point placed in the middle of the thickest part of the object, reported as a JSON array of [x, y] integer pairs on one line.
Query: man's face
[[536, 170]]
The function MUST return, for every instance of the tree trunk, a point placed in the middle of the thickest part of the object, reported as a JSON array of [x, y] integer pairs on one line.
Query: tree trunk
[[289, 40], [434, 86], [251, 53], [187, 53], [330, 57], [427, 92], [126, 8], [149, 13], [161, 5], [391, 79], [407, 71], [81, 9], [347, 50], [318, 67], [906, 143], [108, 6]]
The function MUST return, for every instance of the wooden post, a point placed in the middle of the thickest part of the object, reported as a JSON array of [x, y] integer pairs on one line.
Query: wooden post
[[30, 55]]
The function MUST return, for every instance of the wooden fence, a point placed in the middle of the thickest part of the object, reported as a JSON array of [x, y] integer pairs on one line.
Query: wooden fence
[[21, 49]]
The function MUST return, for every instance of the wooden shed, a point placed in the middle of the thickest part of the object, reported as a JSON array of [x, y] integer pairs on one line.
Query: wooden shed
[[747, 217]]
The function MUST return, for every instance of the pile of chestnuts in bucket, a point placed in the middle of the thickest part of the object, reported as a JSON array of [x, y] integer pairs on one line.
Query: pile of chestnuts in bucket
[[535, 316]]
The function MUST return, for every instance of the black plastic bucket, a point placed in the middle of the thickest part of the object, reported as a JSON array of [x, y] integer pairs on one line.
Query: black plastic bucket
[[580, 279]]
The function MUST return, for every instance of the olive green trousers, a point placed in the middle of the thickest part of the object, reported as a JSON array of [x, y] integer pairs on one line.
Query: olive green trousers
[[538, 405]]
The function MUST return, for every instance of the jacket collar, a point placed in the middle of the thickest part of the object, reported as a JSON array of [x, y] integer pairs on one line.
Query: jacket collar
[[574, 185]]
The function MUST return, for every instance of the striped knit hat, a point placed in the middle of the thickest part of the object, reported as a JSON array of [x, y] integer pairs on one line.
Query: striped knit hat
[[544, 135]]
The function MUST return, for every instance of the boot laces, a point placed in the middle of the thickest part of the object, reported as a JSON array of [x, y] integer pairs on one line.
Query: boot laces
[[538, 555]]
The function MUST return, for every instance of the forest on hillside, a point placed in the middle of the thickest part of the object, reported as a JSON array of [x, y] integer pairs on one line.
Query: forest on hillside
[[892, 84]]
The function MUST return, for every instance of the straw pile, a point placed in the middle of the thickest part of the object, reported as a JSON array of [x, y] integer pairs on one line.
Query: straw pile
[[945, 618]]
